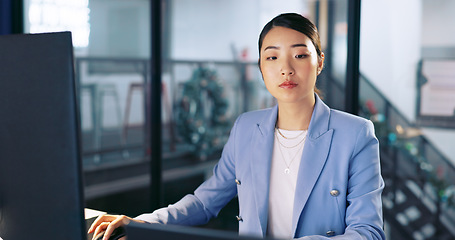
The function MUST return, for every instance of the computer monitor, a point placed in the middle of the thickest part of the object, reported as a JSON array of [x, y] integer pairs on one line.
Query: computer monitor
[[140, 231], [41, 194]]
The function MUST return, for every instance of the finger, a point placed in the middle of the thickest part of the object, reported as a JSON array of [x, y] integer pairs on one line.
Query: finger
[[95, 223], [101, 228], [118, 222], [100, 219]]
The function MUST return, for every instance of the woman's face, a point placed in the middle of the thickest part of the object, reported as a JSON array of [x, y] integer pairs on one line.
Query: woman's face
[[289, 65]]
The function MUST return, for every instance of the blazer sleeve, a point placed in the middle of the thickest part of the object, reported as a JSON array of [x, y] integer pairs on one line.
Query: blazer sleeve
[[364, 205], [208, 199]]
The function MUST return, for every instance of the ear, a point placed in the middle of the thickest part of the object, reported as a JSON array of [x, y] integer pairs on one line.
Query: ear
[[321, 63], [259, 64]]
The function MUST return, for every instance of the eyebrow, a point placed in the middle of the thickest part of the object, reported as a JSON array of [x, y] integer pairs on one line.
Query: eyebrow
[[292, 46], [299, 45]]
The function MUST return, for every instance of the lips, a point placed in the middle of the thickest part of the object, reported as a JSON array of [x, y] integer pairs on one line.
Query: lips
[[288, 84]]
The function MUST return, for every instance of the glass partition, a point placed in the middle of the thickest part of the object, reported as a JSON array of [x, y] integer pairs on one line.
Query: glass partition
[[332, 20], [417, 165], [111, 42]]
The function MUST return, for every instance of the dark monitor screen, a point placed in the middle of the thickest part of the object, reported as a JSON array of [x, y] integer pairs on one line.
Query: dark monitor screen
[[40, 169], [141, 231]]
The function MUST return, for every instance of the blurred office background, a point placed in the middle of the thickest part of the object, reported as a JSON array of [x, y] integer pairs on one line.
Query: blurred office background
[[403, 70]]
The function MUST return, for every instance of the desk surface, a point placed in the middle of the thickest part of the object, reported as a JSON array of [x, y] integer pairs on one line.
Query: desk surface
[[91, 213]]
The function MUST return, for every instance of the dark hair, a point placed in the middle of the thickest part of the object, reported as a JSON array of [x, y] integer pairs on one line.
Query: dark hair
[[296, 22]]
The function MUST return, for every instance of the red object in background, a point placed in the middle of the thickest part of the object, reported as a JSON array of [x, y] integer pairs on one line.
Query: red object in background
[[440, 172], [371, 107]]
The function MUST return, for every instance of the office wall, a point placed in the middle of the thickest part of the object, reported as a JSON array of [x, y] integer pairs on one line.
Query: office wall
[[393, 35], [438, 40], [390, 42], [438, 28], [211, 30], [119, 28]]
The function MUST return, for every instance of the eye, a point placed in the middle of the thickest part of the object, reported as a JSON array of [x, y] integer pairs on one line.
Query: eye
[[271, 58], [301, 56]]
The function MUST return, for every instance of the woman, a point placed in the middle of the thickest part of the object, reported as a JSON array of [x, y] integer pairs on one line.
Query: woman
[[300, 169]]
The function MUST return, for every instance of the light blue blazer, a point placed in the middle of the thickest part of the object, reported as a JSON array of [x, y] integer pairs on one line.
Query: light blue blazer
[[338, 191]]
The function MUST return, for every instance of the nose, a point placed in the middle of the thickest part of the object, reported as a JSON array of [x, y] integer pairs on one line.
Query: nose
[[284, 73], [287, 69]]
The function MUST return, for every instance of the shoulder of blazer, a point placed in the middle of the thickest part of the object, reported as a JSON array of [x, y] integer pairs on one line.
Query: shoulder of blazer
[[342, 118], [325, 118], [257, 115], [352, 129], [262, 120]]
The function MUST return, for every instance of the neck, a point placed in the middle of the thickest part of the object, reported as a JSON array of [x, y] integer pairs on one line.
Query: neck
[[295, 116]]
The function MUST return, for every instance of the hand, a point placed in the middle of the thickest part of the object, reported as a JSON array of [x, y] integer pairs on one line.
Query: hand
[[108, 223]]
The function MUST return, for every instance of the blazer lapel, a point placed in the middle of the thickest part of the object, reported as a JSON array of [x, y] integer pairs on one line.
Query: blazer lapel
[[314, 157], [260, 164]]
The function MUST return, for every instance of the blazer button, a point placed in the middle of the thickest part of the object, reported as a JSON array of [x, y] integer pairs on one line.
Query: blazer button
[[330, 233], [237, 181], [334, 193], [239, 218]]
